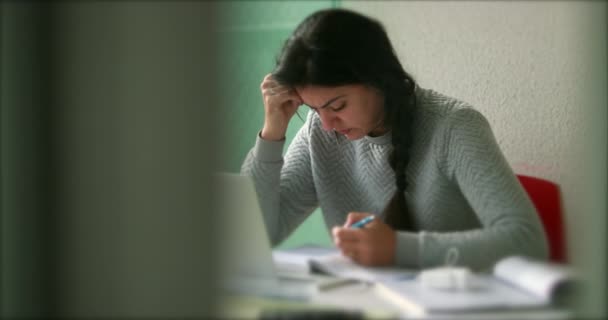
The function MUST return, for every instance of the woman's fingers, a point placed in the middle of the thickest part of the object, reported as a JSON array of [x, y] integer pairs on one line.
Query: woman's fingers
[[371, 246], [278, 90], [346, 234], [271, 87], [356, 251], [270, 83], [347, 240], [354, 217]]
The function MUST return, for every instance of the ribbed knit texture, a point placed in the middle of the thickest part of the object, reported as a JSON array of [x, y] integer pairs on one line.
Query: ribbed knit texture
[[461, 191]]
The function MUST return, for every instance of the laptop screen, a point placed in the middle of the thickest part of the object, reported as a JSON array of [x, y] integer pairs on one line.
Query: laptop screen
[[243, 242]]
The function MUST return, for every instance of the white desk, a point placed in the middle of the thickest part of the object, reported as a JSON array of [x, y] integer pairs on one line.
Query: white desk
[[366, 298]]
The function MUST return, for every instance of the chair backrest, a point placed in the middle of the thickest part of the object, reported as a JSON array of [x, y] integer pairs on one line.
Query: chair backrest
[[546, 198]]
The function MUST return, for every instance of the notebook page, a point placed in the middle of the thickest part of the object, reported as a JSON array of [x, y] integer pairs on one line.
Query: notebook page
[[538, 278], [296, 260], [490, 294], [340, 266], [330, 261]]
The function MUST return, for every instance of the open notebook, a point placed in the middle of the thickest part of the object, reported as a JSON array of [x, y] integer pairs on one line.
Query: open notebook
[[312, 258]]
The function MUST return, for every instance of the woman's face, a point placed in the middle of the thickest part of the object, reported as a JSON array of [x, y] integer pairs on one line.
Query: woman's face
[[352, 110]]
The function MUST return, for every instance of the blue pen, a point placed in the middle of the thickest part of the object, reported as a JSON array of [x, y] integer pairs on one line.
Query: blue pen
[[361, 223]]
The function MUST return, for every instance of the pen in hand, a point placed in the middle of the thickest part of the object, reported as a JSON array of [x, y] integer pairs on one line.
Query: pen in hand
[[361, 223]]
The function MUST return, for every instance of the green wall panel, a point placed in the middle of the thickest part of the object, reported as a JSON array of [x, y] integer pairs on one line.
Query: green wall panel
[[252, 34]]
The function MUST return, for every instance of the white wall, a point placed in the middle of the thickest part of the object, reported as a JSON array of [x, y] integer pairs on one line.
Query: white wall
[[537, 71]]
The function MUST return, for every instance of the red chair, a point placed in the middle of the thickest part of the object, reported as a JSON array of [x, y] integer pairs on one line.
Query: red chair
[[546, 198]]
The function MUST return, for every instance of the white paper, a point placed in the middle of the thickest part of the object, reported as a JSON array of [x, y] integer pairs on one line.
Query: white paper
[[332, 262], [538, 278], [343, 267]]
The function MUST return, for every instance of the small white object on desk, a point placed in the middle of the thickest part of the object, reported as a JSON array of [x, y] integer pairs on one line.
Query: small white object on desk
[[446, 278]]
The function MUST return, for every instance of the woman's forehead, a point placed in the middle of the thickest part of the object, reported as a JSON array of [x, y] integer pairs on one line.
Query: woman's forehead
[[319, 95]]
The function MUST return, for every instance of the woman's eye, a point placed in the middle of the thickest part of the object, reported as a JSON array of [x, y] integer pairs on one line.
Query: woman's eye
[[342, 106]]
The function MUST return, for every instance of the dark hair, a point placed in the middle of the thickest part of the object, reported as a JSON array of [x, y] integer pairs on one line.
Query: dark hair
[[335, 47]]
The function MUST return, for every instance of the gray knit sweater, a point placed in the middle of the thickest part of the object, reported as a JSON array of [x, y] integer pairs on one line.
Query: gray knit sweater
[[461, 191]]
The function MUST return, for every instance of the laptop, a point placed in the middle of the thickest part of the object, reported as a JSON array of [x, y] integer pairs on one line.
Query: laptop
[[245, 255]]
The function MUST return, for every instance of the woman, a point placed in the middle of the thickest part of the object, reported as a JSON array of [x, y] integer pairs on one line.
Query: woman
[[375, 143]]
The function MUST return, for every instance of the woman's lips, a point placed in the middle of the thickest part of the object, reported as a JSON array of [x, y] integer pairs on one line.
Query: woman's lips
[[345, 131]]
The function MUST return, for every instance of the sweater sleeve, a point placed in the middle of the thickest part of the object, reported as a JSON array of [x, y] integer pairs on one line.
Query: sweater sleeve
[[284, 185], [472, 160]]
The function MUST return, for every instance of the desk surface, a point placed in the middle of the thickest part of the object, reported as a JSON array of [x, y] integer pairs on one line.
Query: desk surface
[[364, 297]]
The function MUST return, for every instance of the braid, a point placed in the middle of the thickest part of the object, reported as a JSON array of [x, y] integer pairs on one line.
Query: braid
[[400, 116]]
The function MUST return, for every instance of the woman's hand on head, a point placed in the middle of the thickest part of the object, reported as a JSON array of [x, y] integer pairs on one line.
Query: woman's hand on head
[[373, 245], [280, 104]]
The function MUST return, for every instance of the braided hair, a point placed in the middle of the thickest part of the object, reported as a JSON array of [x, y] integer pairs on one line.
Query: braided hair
[[336, 47]]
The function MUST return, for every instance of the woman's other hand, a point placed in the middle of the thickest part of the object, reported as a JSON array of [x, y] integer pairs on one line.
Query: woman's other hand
[[280, 104], [372, 245]]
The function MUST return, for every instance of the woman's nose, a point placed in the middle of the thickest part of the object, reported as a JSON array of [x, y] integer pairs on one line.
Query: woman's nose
[[327, 120]]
